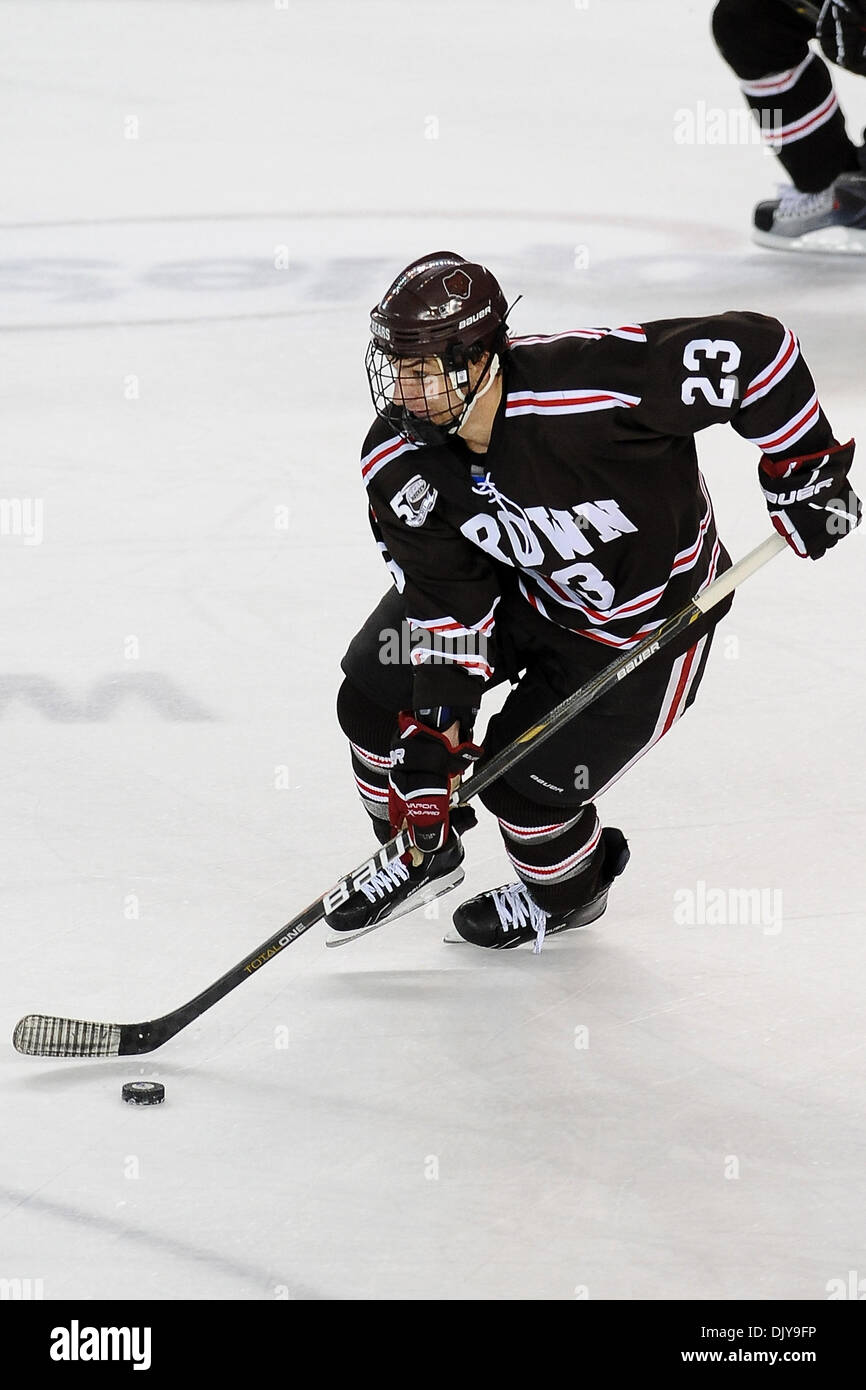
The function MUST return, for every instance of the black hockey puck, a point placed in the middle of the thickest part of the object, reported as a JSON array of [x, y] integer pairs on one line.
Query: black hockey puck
[[144, 1092]]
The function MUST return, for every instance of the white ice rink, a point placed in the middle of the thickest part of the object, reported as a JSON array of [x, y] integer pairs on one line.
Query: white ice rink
[[200, 203]]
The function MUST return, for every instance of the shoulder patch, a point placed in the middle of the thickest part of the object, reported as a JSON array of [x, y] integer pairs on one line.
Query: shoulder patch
[[414, 501]]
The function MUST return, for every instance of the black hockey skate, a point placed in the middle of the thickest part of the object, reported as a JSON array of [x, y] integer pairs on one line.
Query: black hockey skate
[[834, 220], [400, 888], [508, 916]]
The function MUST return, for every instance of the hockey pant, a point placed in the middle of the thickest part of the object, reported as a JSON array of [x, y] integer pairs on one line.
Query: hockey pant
[[545, 805], [788, 87]]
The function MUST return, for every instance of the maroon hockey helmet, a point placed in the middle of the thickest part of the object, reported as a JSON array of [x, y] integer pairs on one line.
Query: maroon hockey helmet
[[443, 308], [440, 306]]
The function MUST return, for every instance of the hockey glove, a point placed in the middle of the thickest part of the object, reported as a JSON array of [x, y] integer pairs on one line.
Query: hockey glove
[[809, 499], [841, 33], [423, 764]]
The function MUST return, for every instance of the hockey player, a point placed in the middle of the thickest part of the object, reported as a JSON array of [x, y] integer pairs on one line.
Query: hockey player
[[790, 91], [539, 504]]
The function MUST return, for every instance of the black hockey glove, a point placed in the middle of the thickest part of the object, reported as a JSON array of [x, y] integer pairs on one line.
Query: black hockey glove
[[809, 499], [841, 33], [424, 767]]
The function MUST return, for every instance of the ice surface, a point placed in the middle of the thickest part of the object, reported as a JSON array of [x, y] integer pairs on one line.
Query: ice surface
[[200, 204]]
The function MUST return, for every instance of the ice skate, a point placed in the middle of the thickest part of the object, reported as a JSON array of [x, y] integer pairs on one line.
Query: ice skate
[[505, 917], [399, 889], [832, 221]]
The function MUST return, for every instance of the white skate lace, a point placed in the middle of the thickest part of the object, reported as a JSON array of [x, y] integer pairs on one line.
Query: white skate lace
[[515, 909], [386, 880], [793, 203]]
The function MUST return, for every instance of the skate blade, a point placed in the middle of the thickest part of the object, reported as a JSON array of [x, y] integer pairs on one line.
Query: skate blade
[[434, 889], [837, 241]]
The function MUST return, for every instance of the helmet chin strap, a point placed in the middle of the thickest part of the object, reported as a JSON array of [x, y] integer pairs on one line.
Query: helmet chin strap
[[470, 402]]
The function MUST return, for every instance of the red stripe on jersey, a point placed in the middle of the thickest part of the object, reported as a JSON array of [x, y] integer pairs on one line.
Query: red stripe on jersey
[[624, 642], [767, 376], [527, 398], [797, 427], [678, 693], [554, 337], [381, 455]]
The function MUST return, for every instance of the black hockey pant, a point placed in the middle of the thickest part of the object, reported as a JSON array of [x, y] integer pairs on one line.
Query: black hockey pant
[[545, 804], [789, 88]]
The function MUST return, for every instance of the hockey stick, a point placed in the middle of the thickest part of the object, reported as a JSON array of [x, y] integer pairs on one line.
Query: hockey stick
[[42, 1035]]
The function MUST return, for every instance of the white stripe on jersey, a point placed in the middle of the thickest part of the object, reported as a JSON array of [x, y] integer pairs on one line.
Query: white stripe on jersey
[[474, 665], [792, 430], [555, 337], [772, 374], [633, 332], [565, 402], [383, 453], [450, 628]]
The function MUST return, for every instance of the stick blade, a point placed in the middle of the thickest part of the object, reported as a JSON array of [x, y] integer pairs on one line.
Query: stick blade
[[42, 1035]]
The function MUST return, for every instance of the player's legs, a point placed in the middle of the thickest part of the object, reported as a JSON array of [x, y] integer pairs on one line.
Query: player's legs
[[788, 87], [378, 685], [564, 861]]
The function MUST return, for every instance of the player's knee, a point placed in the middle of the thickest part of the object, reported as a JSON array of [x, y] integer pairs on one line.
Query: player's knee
[[727, 21], [510, 805], [362, 721], [730, 18]]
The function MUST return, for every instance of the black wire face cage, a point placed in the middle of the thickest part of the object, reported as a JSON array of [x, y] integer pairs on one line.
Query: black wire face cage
[[421, 397]]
